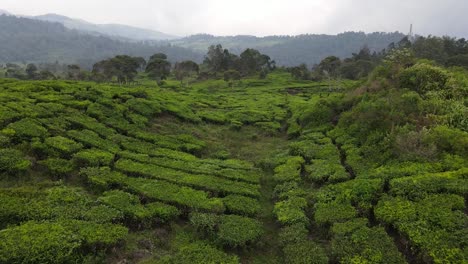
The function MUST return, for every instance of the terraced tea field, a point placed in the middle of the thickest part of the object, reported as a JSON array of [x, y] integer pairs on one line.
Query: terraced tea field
[[258, 173]]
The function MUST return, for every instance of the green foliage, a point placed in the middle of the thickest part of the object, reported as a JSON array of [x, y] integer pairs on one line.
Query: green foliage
[[35, 242], [450, 140], [291, 211], [62, 144], [93, 157], [237, 231], [424, 78], [354, 242], [333, 212], [130, 206], [322, 171], [204, 182], [205, 223], [55, 242], [91, 139], [27, 128], [241, 205], [58, 167], [229, 230], [290, 171], [293, 234], [199, 253], [13, 161], [435, 224], [305, 252]]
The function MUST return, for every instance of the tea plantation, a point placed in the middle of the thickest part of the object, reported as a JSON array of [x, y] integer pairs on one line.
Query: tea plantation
[[271, 170]]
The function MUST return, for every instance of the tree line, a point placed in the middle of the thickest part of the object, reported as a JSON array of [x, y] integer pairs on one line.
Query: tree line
[[221, 63], [218, 63], [445, 51]]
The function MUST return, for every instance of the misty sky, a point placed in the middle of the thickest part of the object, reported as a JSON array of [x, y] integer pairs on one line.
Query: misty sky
[[262, 17]]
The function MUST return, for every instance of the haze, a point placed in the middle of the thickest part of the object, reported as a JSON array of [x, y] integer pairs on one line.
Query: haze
[[261, 17]]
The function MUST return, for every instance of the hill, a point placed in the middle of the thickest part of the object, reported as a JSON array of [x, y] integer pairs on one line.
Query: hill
[[271, 170], [66, 40], [110, 30], [28, 40], [294, 50]]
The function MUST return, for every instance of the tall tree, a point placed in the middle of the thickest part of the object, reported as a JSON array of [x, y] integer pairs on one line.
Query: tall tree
[[31, 71], [122, 66], [158, 67], [252, 61], [185, 69], [329, 66]]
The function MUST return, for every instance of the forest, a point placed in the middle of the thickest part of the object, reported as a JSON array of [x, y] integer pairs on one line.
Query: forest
[[238, 159], [28, 40]]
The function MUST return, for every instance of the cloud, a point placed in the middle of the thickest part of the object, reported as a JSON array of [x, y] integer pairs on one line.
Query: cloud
[[262, 17]]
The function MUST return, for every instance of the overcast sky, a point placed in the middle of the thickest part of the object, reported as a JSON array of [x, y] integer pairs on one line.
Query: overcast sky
[[262, 17]]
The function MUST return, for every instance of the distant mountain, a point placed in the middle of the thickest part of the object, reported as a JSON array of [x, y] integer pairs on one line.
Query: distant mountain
[[4, 12], [27, 40], [112, 30], [55, 37], [293, 50]]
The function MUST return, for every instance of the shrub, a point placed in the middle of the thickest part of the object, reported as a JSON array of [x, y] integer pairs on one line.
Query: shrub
[[329, 213], [318, 114], [205, 182], [293, 234], [358, 191], [324, 170], [93, 157], [434, 224], [39, 243], [237, 231], [305, 252], [130, 206], [291, 211], [450, 140], [241, 205], [102, 214], [199, 253], [423, 78], [288, 189], [28, 128], [13, 161], [58, 167], [290, 171], [62, 144], [55, 242], [354, 242], [205, 223], [91, 139]]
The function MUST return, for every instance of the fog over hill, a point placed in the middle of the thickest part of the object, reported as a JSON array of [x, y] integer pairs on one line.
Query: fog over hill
[[67, 40], [113, 30]]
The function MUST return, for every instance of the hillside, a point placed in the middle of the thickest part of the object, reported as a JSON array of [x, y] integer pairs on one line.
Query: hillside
[[76, 41], [28, 40], [124, 32], [294, 50], [272, 170]]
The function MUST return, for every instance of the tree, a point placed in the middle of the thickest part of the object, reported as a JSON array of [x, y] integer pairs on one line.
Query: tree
[[185, 69], [218, 59], [158, 68], [252, 61], [14, 71], [122, 66], [31, 71], [73, 72], [231, 76], [300, 72], [431, 48], [329, 66], [46, 75]]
